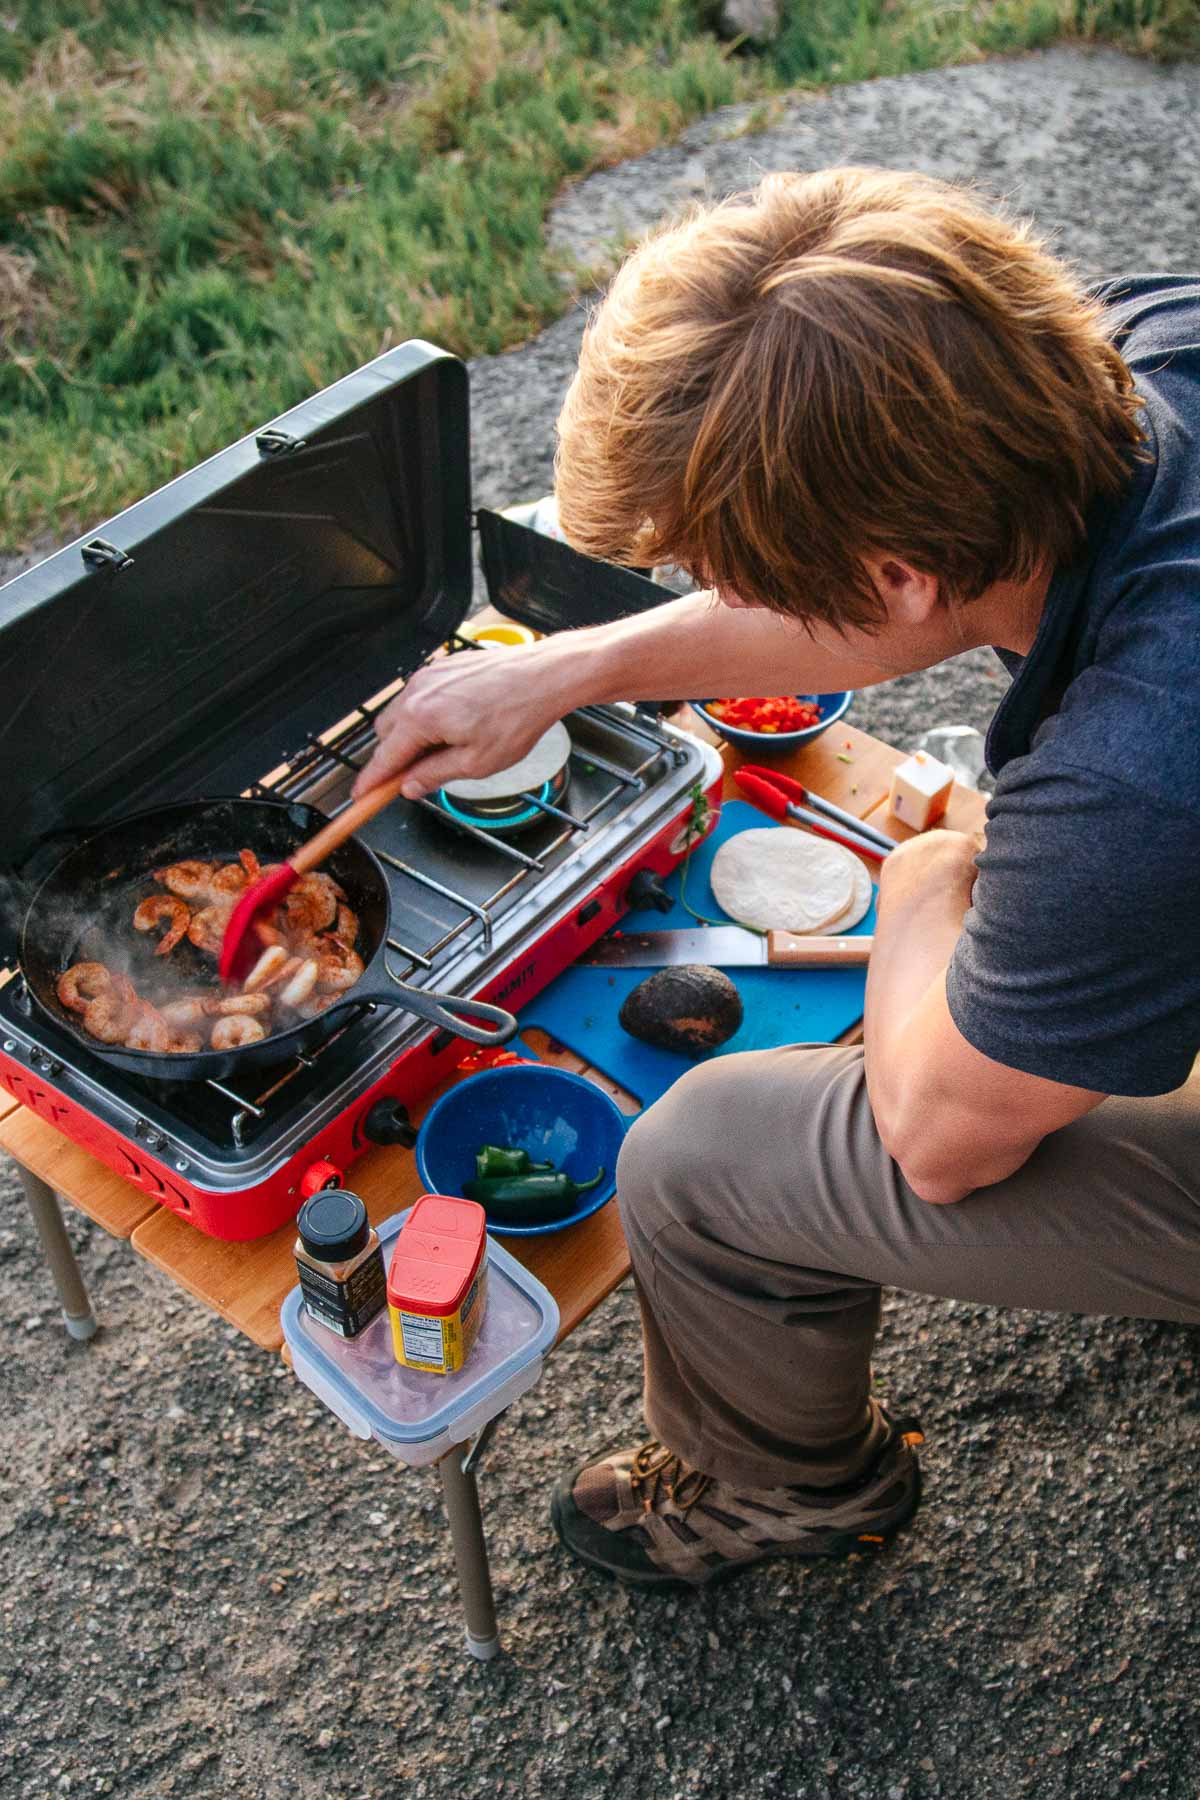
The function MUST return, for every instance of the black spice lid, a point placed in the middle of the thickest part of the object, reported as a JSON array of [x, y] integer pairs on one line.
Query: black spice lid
[[333, 1225]]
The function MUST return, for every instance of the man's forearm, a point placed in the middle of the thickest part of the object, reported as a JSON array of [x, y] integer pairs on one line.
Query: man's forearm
[[951, 1117], [695, 647]]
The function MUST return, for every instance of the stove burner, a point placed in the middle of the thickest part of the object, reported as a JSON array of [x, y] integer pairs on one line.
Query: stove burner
[[517, 796], [504, 814]]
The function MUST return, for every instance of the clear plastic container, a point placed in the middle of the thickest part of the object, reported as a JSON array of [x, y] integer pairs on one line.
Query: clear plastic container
[[417, 1417]]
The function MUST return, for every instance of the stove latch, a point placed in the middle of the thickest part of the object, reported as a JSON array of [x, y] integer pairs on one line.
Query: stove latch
[[273, 442], [100, 554]]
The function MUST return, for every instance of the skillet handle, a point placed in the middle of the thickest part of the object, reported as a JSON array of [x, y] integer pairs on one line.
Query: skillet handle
[[451, 1011]]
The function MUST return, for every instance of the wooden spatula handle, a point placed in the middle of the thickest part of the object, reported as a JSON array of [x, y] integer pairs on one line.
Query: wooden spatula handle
[[311, 855], [792, 949]]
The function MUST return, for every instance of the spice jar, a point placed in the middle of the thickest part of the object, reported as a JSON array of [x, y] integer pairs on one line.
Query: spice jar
[[342, 1277]]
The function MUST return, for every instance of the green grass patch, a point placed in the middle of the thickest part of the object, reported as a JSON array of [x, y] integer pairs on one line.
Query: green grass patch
[[208, 210]]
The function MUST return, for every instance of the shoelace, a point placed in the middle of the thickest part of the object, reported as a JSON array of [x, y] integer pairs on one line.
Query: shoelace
[[660, 1472]]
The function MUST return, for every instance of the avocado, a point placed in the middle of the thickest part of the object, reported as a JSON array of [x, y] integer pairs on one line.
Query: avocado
[[691, 1009]]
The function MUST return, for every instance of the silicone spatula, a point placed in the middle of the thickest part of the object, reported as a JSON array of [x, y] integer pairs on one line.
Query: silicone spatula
[[241, 946]]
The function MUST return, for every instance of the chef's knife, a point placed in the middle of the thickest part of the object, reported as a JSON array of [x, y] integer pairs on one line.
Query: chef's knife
[[727, 947]]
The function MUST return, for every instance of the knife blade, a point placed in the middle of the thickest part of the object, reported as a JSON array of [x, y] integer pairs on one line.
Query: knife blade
[[726, 946]]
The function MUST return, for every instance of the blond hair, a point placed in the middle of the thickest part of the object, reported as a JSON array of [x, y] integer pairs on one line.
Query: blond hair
[[848, 362]]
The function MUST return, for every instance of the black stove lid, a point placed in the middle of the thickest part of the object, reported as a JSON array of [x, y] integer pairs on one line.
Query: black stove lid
[[543, 583], [269, 591]]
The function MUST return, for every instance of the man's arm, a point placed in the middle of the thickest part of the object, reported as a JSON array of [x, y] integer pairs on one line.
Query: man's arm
[[469, 715], [952, 1118]]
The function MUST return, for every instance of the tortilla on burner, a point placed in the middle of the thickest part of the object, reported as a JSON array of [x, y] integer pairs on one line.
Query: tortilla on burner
[[529, 776]]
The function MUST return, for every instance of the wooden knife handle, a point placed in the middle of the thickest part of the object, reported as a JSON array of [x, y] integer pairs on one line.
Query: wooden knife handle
[[311, 855], [792, 949]]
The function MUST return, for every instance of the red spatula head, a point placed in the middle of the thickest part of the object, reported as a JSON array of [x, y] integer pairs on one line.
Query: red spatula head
[[242, 946]]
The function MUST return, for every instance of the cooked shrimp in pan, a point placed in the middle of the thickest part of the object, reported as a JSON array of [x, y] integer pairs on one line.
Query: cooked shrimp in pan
[[311, 906], [82, 983], [189, 880], [267, 969], [300, 983], [246, 1005], [185, 1014], [154, 910], [338, 967], [109, 1016], [235, 1030], [149, 1030], [207, 928]]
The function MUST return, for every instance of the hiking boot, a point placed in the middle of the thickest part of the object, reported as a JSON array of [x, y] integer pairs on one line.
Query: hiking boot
[[644, 1516]]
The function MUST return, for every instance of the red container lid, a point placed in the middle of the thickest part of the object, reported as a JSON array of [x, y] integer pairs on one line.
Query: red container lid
[[439, 1249]]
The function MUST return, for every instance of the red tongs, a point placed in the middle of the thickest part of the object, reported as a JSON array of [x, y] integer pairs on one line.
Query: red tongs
[[784, 798]]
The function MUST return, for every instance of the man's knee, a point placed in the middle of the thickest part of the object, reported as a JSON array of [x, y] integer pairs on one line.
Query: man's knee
[[716, 1129]]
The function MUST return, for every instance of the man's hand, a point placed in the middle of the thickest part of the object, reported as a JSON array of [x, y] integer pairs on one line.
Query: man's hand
[[938, 866], [952, 1118], [467, 715]]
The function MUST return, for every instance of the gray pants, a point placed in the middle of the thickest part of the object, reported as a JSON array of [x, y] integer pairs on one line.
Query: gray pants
[[763, 1215]]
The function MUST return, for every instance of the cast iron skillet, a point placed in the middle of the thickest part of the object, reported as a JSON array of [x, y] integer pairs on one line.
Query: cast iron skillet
[[84, 910]]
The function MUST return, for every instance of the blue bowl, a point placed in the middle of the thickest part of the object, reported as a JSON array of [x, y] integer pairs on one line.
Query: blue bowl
[[833, 707], [556, 1116]]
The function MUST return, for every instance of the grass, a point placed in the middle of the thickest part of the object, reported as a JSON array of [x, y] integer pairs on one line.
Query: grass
[[209, 209]]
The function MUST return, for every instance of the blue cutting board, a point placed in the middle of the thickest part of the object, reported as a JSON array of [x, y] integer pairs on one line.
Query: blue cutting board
[[782, 1006]]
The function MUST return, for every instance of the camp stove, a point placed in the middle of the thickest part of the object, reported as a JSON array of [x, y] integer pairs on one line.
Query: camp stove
[[257, 599]]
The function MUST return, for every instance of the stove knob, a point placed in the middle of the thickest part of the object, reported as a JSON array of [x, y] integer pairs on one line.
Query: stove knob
[[388, 1123], [320, 1175], [646, 889]]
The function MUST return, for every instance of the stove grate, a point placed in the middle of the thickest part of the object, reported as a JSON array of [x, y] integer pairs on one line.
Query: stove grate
[[345, 748]]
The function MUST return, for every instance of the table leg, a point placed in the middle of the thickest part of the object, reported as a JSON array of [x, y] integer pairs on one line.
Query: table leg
[[42, 1201], [461, 1495]]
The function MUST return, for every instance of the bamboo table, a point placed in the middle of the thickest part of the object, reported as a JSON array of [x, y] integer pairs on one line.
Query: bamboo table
[[246, 1284]]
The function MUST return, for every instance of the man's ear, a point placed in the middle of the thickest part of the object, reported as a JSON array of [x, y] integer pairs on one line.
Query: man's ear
[[910, 595]]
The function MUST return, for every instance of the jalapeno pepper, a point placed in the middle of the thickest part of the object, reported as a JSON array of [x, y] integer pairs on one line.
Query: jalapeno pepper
[[535, 1197], [501, 1159]]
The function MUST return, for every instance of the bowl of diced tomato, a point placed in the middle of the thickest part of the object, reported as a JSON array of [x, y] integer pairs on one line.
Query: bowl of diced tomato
[[781, 722]]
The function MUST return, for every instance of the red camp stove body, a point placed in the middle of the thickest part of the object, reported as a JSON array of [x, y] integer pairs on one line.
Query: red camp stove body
[[151, 1157]]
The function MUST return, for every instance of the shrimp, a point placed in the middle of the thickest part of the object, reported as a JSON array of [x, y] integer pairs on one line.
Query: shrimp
[[228, 881], [207, 927], [311, 906], [338, 966], [149, 1030], [190, 880], [109, 1016], [245, 1005], [313, 1007], [251, 865], [82, 983], [163, 906], [345, 928], [301, 984], [267, 969], [235, 1030], [182, 1015]]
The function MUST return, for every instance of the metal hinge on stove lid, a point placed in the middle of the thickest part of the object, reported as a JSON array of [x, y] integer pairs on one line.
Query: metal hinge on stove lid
[[98, 553], [273, 442]]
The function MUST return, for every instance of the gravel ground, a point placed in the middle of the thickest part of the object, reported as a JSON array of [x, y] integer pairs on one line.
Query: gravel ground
[[214, 1591]]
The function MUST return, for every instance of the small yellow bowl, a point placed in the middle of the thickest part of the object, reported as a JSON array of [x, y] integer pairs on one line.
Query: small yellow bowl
[[511, 634]]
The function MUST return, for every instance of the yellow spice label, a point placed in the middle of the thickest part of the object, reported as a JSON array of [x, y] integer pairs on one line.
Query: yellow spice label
[[439, 1343]]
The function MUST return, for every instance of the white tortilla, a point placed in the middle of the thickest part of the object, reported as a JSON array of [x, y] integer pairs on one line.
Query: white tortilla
[[860, 904], [535, 769], [783, 880]]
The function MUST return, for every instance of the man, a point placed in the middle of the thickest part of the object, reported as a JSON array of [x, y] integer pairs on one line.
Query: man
[[883, 426]]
